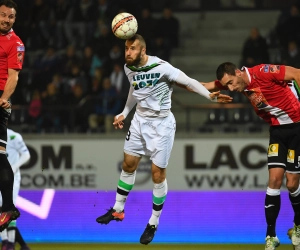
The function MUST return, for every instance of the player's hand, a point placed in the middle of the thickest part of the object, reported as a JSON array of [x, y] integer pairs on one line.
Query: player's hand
[[5, 103], [220, 97], [118, 122]]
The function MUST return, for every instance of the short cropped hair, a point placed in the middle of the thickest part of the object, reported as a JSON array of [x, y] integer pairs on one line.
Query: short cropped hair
[[9, 4], [225, 68], [138, 37]]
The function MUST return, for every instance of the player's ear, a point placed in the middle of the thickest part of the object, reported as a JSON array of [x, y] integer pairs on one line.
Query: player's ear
[[143, 51], [237, 72]]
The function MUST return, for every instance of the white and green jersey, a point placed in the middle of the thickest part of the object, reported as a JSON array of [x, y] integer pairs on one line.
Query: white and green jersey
[[15, 148], [152, 84]]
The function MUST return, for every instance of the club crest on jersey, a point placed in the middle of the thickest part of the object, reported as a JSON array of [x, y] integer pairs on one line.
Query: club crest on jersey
[[20, 48], [274, 69], [273, 150], [291, 156], [266, 68]]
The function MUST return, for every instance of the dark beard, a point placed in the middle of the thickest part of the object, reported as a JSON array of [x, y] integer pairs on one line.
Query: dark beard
[[3, 32], [135, 62]]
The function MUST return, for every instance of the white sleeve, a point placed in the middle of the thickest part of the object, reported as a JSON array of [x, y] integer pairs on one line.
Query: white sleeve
[[129, 104], [194, 85], [24, 157]]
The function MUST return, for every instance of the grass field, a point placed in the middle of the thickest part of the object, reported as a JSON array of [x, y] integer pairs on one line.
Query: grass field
[[148, 247]]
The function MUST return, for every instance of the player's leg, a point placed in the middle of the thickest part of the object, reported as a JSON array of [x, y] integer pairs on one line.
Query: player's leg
[[292, 183], [14, 234], [21, 241], [11, 235], [4, 239], [160, 136], [133, 149], [272, 206], [294, 195], [277, 152], [9, 211], [125, 185]]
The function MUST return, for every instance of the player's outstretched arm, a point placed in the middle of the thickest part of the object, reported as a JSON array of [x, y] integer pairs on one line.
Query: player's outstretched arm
[[292, 73], [199, 88], [210, 86], [221, 97]]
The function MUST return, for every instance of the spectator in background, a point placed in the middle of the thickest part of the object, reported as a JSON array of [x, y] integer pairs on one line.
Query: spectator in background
[[45, 67], [255, 49], [35, 108], [81, 19], [78, 117], [107, 106], [160, 48], [96, 83], [50, 118], [287, 27], [291, 55], [68, 59], [101, 41], [115, 56], [90, 62], [39, 25], [105, 11], [119, 80], [168, 28], [59, 14], [77, 77], [147, 25]]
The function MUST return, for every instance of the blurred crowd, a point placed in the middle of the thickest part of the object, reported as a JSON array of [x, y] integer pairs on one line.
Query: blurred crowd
[[279, 46], [73, 78]]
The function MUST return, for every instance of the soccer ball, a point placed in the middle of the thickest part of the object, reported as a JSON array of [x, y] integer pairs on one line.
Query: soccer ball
[[124, 25]]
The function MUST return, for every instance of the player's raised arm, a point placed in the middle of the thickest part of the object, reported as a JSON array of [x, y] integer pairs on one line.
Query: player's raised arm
[[194, 86]]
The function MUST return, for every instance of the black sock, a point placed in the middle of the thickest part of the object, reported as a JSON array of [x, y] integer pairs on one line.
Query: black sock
[[272, 207], [295, 201], [19, 238], [6, 183]]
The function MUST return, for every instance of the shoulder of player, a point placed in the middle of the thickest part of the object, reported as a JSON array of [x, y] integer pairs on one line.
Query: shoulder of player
[[12, 135], [16, 40]]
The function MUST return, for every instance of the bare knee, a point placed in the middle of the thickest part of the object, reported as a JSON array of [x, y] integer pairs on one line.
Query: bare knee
[[130, 163], [275, 182], [292, 182], [275, 178], [158, 174]]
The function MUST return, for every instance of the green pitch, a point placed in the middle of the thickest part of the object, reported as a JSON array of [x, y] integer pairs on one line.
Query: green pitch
[[148, 247]]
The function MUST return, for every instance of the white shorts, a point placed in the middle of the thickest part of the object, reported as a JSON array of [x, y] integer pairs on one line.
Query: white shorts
[[16, 188], [152, 137]]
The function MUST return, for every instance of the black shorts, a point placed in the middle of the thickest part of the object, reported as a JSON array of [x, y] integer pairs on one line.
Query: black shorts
[[4, 116], [284, 147]]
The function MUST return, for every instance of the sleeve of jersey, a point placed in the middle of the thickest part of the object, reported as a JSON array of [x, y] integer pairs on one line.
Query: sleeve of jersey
[[193, 84], [131, 101], [16, 55], [272, 72]]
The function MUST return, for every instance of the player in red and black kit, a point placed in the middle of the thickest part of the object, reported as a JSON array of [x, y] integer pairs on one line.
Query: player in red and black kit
[[273, 100], [11, 59]]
